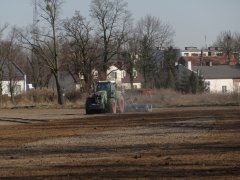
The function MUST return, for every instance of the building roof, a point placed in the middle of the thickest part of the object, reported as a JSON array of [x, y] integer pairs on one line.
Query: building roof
[[8, 69], [219, 72], [215, 60]]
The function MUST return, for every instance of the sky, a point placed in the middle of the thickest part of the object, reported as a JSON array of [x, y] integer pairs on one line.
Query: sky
[[195, 22]]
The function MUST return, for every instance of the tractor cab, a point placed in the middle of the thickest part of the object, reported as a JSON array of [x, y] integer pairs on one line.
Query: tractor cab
[[108, 86]]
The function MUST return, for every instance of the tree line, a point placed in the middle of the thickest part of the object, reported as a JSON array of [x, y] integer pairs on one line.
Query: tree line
[[51, 45]]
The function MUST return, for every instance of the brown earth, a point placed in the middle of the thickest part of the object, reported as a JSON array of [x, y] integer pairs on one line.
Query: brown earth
[[174, 143]]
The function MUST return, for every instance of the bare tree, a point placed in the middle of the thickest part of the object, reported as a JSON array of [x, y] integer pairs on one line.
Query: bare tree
[[38, 72], [152, 34], [237, 45], [37, 69], [45, 43], [225, 40], [82, 49], [2, 29], [112, 20], [130, 55], [10, 53], [237, 41], [157, 33], [2, 52]]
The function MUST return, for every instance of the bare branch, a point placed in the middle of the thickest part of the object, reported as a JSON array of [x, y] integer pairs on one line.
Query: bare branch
[[112, 18]]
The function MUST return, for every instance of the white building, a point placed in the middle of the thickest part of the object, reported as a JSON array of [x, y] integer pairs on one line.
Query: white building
[[193, 51], [218, 78], [12, 76], [122, 79], [221, 78], [115, 74]]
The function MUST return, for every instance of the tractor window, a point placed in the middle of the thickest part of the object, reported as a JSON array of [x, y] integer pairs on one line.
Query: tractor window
[[113, 87], [102, 86]]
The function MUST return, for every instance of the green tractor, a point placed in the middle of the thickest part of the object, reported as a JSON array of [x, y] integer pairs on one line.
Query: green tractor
[[105, 99]]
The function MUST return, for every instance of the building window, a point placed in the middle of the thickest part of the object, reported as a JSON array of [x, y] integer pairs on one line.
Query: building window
[[224, 89], [134, 73], [123, 74], [95, 74], [113, 75], [194, 54], [219, 54], [17, 89]]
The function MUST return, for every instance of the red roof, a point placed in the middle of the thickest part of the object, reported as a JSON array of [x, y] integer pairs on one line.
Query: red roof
[[216, 60]]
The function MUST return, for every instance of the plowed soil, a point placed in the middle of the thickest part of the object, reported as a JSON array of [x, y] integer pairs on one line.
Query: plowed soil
[[174, 143]]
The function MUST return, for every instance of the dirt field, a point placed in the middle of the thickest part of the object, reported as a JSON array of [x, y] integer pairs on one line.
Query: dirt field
[[176, 143]]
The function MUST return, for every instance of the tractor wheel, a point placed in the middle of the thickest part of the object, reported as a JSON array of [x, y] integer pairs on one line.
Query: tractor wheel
[[113, 106], [88, 111], [88, 102], [121, 106]]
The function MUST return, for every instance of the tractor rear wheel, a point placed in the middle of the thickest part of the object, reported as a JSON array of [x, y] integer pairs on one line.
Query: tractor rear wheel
[[88, 111], [113, 106], [121, 106], [88, 102]]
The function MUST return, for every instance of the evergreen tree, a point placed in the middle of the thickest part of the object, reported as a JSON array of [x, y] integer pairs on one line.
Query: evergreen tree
[[165, 76], [184, 84], [170, 83], [191, 83], [146, 65], [194, 83], [202, 86]]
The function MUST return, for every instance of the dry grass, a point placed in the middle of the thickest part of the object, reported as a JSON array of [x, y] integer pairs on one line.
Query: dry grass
[[45, 98], [169, 98]]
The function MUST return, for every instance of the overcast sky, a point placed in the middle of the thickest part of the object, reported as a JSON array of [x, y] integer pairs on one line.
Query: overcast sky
[[194, 21]]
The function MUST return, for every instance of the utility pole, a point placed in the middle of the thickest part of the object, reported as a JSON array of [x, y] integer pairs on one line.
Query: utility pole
[[34, 12], [34, 36]]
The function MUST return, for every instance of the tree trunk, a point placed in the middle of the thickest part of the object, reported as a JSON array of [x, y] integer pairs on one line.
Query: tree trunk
[[103, 73], [60, 92], [131, 80], [144, 78], [88, 84], [11, 88]]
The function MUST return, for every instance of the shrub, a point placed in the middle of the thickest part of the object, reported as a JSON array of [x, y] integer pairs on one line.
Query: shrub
[[42, 95], [74, 96], [35, 96]]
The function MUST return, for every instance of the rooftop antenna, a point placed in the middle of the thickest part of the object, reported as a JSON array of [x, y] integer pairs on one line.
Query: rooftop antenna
[[206, 41]]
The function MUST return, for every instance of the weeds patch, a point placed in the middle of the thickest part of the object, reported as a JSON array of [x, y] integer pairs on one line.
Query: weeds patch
[[45, 98]]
